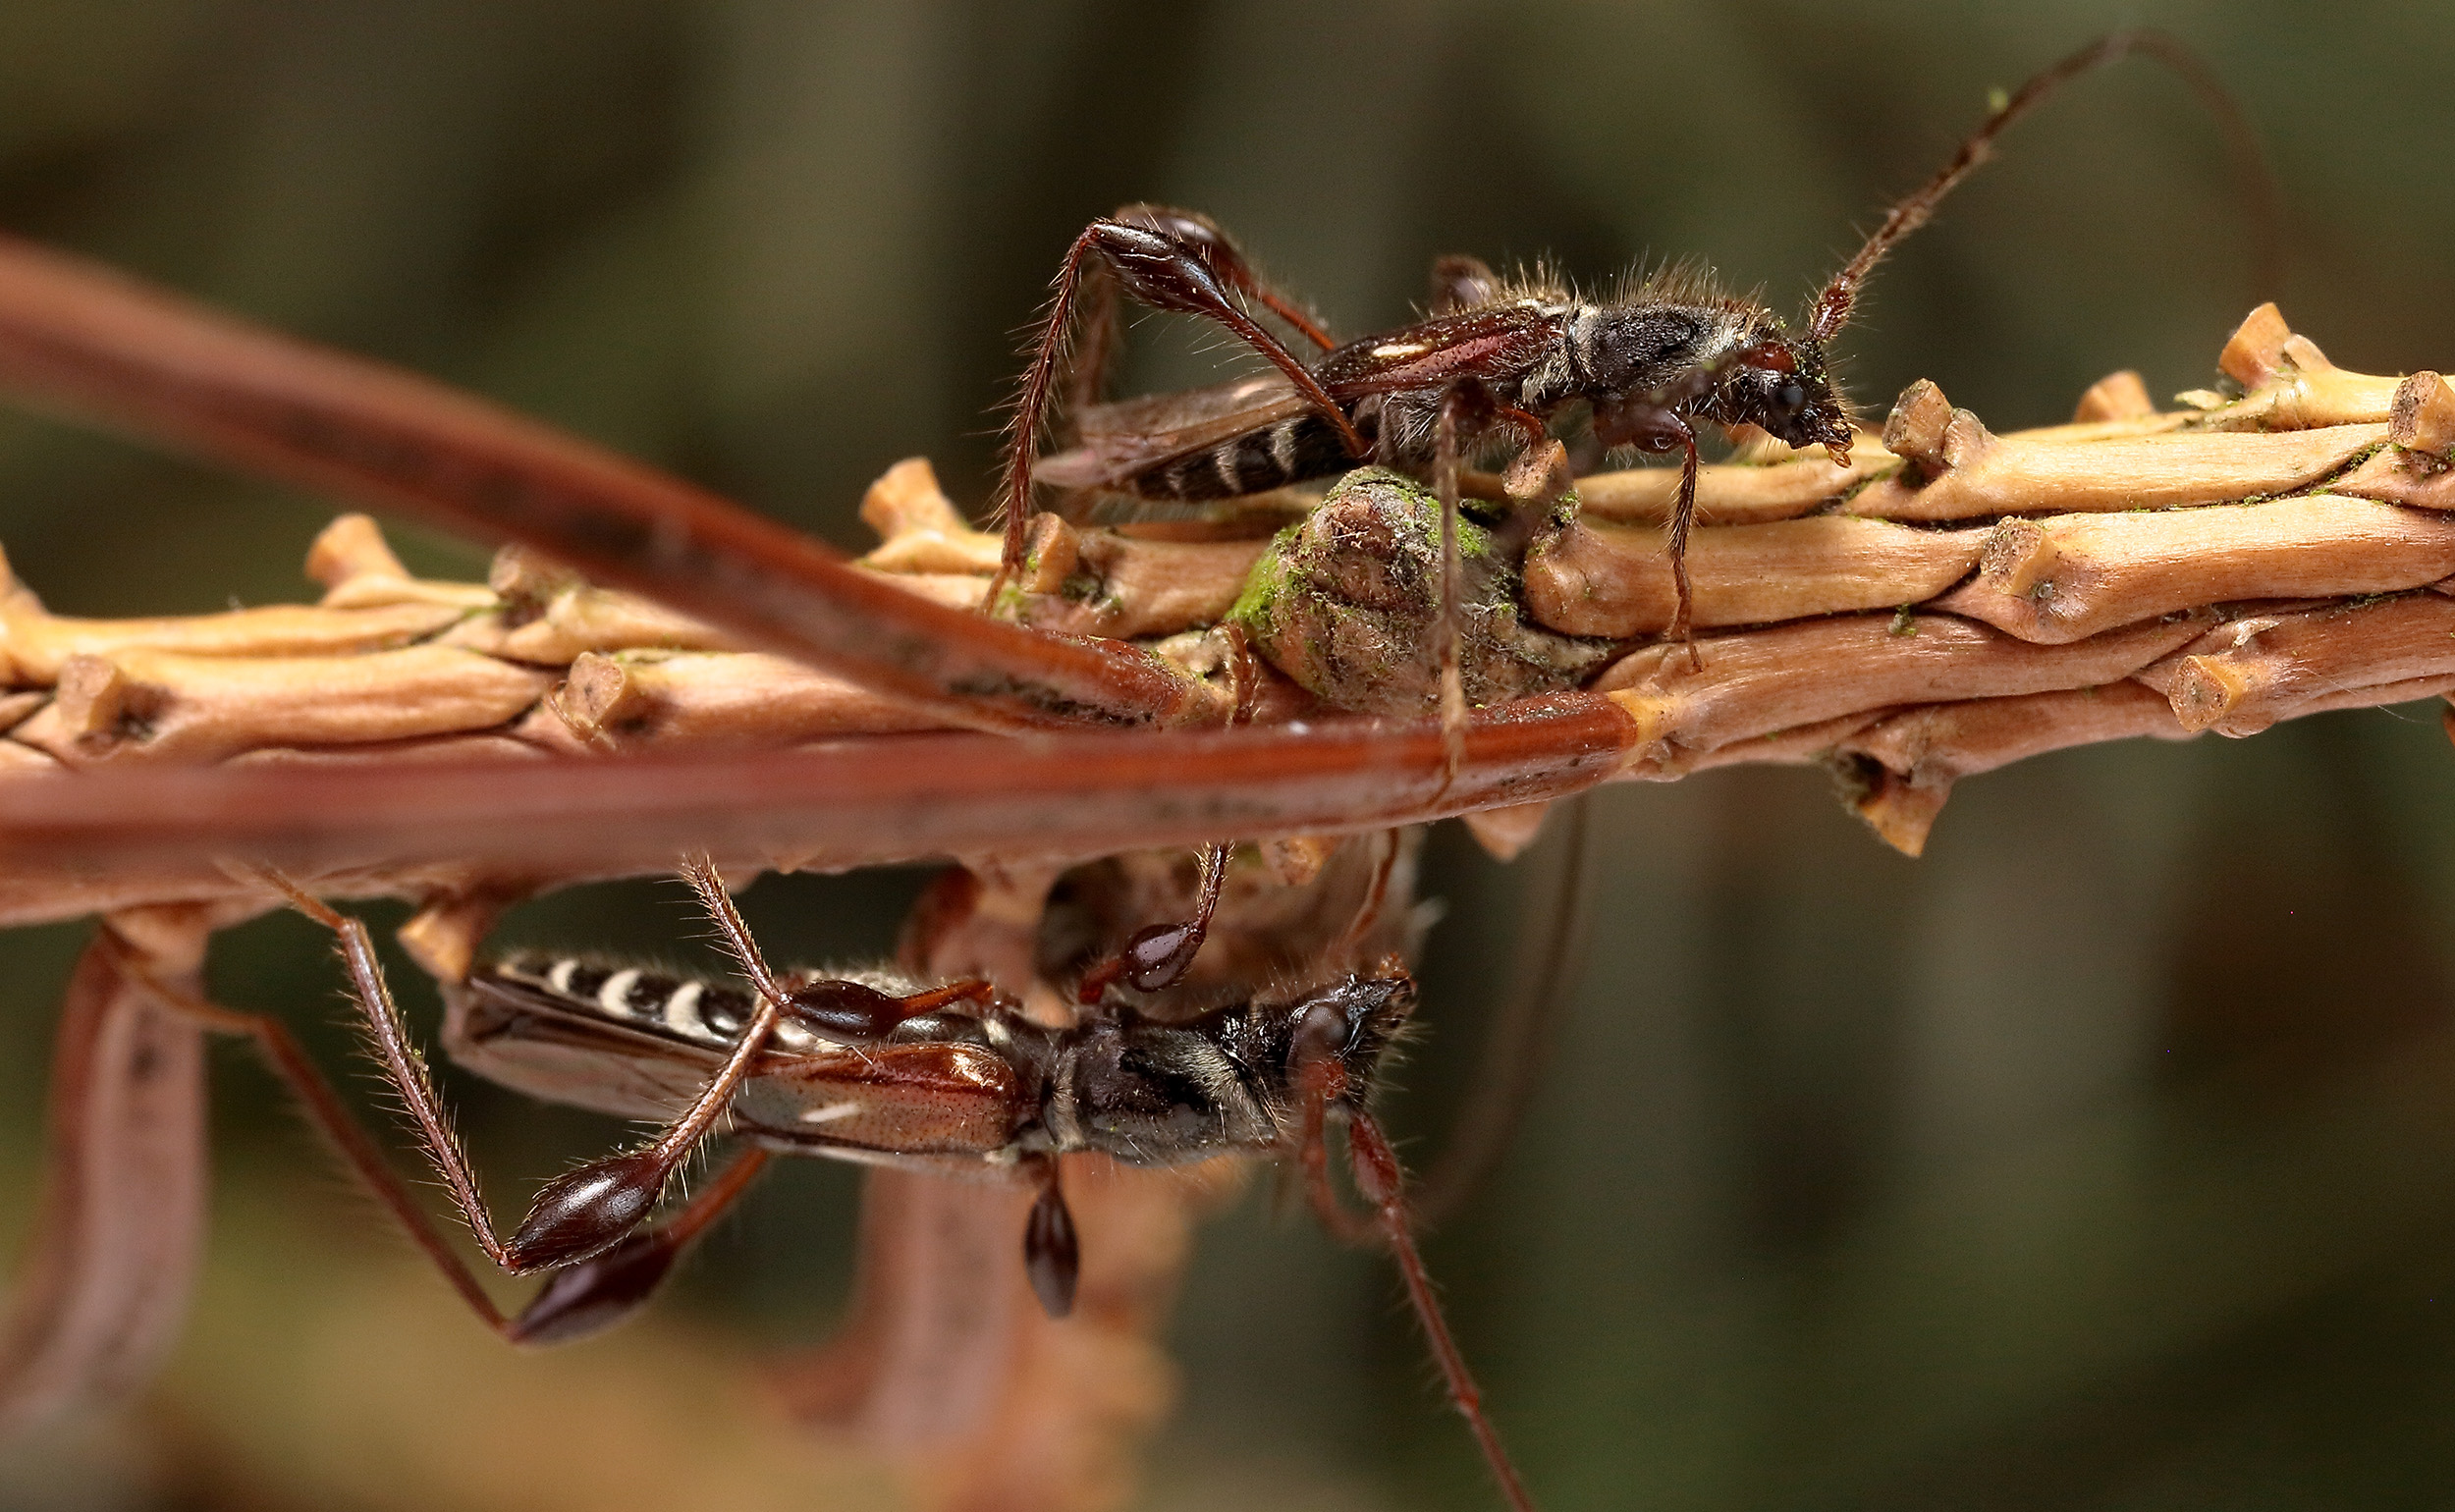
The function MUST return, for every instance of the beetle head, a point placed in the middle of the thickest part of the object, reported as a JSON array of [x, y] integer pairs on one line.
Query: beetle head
[[1777, 382], [1352, 1022]]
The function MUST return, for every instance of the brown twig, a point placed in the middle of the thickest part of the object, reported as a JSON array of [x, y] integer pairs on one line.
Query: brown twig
[[82, 339], [1845, 634]]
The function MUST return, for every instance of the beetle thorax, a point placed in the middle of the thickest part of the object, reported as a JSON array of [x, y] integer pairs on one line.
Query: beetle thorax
[[1151, 1093], [1644, 346]]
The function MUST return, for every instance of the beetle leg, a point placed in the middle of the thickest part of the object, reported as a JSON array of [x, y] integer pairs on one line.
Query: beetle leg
[[1658, 429], [607, 1287], [1224, 259], [582, 1213], [850, 1013], [580, 1300], [1099, 331], [1051, 1249], [1461, 283], [1159, 956], [855, 1013], [1466, 409], [1381, 1180], [1313, 1156], [1682, 518], [1170, 261]]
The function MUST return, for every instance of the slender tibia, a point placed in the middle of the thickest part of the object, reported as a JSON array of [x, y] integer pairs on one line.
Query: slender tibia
[[701, 874], [578, 1214], [573, 1303], [1381, 1179], [403, 1067], [1682, 520], [1171, 262]]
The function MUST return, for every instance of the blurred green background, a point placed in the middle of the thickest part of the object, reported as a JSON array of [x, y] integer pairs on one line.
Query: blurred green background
[[2103, 1159]]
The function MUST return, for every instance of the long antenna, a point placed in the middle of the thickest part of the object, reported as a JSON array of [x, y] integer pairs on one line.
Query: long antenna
[[1520, 1035], [1832, 309]]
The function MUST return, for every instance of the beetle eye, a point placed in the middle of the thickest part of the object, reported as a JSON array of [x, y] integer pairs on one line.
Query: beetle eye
[[1788, 397]]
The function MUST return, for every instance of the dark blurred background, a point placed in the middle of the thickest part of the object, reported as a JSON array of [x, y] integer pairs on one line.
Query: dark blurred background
[[2103, 1159]]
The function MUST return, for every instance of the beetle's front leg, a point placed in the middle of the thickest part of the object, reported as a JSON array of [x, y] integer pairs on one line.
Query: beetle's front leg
[[1466, 408], [1323, 1086], [1659, 429]]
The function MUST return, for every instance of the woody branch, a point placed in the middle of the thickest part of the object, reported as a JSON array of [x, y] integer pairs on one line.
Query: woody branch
[[1952, 601]]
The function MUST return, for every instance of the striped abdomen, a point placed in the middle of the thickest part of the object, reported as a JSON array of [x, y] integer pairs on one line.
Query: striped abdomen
[[1295, 450], [696, 1013]]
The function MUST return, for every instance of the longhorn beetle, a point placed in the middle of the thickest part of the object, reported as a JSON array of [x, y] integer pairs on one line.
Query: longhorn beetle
[[1498, 362], [871, 1066]]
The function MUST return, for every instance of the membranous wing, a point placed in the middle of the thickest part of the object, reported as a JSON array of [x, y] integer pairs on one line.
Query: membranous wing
[[641, 1043], [1122, 441]]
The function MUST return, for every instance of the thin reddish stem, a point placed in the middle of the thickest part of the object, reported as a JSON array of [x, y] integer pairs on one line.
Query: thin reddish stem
[[95, 344], [888, 798]]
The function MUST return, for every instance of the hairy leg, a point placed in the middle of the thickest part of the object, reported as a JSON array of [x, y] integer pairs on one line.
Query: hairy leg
[[1170, 261], [574, 1302]]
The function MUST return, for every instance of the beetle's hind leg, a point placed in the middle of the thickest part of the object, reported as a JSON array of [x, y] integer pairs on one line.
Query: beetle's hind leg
[[1101, 332], [590, 1215], [1459, 283], [1169, 260], [576, 1301]]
